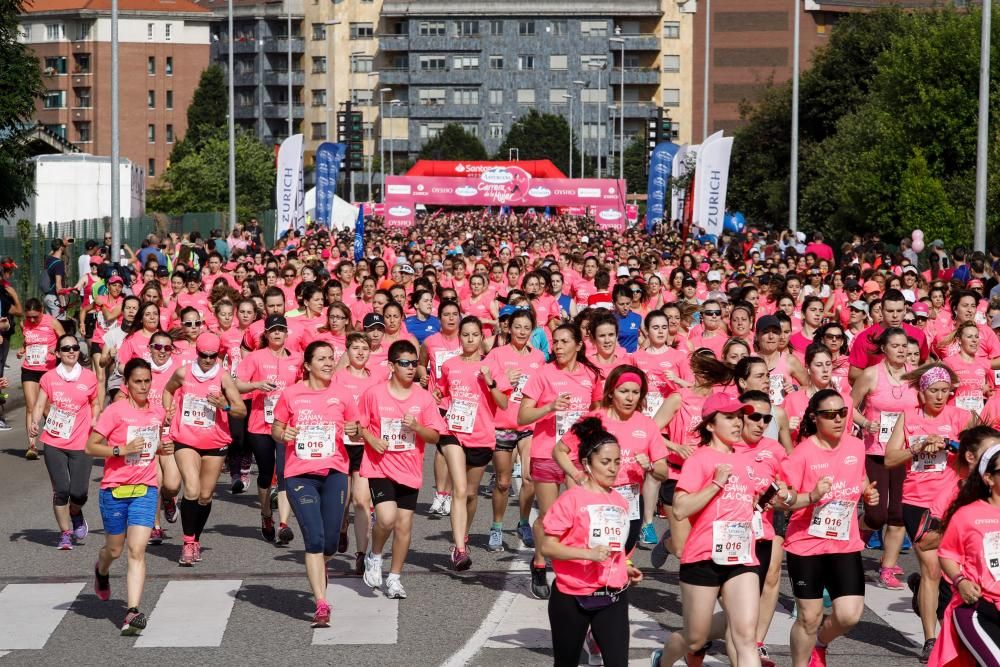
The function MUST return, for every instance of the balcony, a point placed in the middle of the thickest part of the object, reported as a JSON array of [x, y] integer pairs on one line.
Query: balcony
[[446, 111], [445, 44], [639, 42], [82, 113], [394, 42], [281, 111], [280, 78], [247, 111], [448, 76], [246, 79], [394, 76], [241, 45], [636, 76], [82, 78], [280, 45], [639, 109]]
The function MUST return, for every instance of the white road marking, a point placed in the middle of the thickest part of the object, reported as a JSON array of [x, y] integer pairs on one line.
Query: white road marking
[[359, 615], [190, 613], [894, 608], [30, 613]]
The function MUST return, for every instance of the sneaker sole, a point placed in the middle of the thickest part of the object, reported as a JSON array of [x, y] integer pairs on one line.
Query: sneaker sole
[[496, 549], [396, 596], [129, 631]]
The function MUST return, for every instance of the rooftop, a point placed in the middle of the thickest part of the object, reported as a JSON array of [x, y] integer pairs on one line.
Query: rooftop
[[140, 6]]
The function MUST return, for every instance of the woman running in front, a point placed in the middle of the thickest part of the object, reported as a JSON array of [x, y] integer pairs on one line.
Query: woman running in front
[[265, 373], [921, 441], [162, 365], [826, 476], [398, 419], [310, 418], [436, 349], [199, 398], [715, 495], [41, 334], [555, 397], [68, 402], [477, 388], [127, 436], [584, 533]]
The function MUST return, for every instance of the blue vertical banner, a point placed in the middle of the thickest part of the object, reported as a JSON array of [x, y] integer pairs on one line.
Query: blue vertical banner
[[359, 235], [328, 159], [658, 185]]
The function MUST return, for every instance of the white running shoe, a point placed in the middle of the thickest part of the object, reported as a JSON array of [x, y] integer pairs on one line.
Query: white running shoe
[[394, 589], [437, 504], [373, 571], [446, 506]]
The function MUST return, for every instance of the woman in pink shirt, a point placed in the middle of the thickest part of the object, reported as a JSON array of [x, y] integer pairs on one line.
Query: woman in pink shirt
[[334, 332], [481, 303], [37, 354], [437, 349], [833, 336], [826, 477], [584, 533], [920, 442], [819, 367], [311, 418], [975, 377], [136, 343], [607, 354], [393, 316], [231, 331], [68, 401], [127, 436]]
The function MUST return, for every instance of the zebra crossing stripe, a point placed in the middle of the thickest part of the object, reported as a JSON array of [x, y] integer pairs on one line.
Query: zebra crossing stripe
[[32, 612], [190, 613], [358, 615]]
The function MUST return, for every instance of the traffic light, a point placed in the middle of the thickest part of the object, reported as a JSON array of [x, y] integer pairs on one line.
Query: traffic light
[[665, 127], [350, 132], [652, 138]]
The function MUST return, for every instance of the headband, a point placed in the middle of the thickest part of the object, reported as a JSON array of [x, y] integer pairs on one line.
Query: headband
[[628, 377], [935, 374], [984, 460]]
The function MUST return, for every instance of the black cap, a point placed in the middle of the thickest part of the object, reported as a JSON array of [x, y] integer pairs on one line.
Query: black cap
[[768, 322], [162, 272], [275, 321], [852, 284], [373, 320], [689, 281]]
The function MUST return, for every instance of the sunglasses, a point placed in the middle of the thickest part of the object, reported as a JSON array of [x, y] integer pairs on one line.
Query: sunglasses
[[405, 363], [712, 313], [834, 336], [69, 348], [832, 414], [195, 323], [278, 329], [161, 347], [760, 417], [208, 355]]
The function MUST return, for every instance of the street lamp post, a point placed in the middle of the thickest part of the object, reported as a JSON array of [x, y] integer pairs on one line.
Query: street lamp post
[[116, 195], [370, 156], [291, 113], [793, 173], [232, 124], [569, 103], [982, 137], [708, 40], [600, 114], [331, 84], [621, 145], [392, 140], [583, 136], [612, 109], [381, 139]]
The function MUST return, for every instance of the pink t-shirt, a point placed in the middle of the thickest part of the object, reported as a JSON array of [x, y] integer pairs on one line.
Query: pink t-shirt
[[584, 519], [282, 372], [765, 467], [864, 352], [382, 414], [136, 345], [67, 425], [834, 519], [319, 415], [659, 364], [682, 429], [118, 423], [338, 343], [471, 409], [507, 358], [39, 344], [931, 475], [197, 423], [102, 325], [544, 387], [232, 351], [199, 301], [971, 530], [883, 405], [973, 376], [637, 435], [251, 339], [306, 329]]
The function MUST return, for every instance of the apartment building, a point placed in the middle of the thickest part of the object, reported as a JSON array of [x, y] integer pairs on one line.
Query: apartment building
[[163, 48]]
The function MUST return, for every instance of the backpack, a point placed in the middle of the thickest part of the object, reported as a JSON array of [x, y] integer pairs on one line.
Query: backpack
[[46, 284]]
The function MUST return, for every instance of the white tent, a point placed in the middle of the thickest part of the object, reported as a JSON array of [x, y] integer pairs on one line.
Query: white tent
[[343, 216]]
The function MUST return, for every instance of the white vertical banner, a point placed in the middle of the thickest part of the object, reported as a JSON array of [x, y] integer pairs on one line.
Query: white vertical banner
[[711, 183], [290, 195], [696, 210], [677, 171]]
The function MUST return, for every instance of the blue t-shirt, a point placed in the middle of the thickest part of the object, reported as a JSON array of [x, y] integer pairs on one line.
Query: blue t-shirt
[[565, 301], [421, 329], [144, 254], [628, 330]]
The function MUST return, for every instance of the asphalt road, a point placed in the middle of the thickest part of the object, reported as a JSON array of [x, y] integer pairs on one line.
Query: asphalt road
[[247, 602]]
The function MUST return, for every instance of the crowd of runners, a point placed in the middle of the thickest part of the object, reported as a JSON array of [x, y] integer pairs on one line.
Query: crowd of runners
[[775, 401]]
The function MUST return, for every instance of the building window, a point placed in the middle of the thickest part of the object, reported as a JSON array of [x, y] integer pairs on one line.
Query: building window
[[319, 131], [526, 62], [525, 95], [166, 31], [245, 99], [83, 132], [465, 96], [430, 96], [57, 129], [431, 28], [525, 28], [55, 65], [471, 128], [151, 133], [593, 61], [170, 133], [496, 27], [362, 96], [83, 30], [560, 28], [319, 97], [496, 62], [594, 28], [594, 130], [556, 96], [362, 64], [671, 97], [496, 130], [149, 31], [54, 99], [362, 31], [558, 62], [594, 95], [465, 62], [671, 30], [496, 98], [319, 32], [319, 65], [54, 32], [83, 98], [467, 28], [26, 32], [170, 99], [431, 130], [169, 66], [151, 65], [150, 99], [671, 63], [433, 62], [81, 63], [151, 168]]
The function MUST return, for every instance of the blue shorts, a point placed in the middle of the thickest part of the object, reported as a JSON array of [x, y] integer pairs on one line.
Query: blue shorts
[[120, 513]]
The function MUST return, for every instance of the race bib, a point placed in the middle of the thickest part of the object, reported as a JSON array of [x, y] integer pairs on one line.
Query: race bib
[[887, 422], [197, 411], [442, 356], [462, 416], [996, 377], [269, 403], [36, 355], [400, 438], [630, 492], [151, 438], [58, 423], [732, 542], [776, 387], [758, 525], [608, 527], [927, 461], [564, 420], [653, 402], [517, 394], [991, 553], [832, 520], [971, 402], [316, 441]]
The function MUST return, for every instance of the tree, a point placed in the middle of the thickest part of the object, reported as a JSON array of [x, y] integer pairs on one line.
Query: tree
[[635, 154], [538, 136], [454, 143], [206, 115], [20, 86], [200, 180]]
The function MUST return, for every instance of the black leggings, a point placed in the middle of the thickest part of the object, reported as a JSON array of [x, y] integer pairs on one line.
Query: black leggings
[[270, 455], [569, 623], [978, 626], [238, 458], [889, 510], [69, 471]]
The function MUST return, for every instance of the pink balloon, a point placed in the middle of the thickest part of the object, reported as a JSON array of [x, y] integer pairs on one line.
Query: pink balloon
[[918, 245], [917, 235]]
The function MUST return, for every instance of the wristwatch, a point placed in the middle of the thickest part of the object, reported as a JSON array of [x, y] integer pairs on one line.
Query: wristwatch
[[116, 451], [493, 385]]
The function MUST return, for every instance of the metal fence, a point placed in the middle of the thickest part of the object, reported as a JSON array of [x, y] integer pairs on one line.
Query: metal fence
[[28, 246]]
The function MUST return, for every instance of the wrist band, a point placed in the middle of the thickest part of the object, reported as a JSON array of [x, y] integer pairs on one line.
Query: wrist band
[[959, 579], [788, 498], [718, 485]]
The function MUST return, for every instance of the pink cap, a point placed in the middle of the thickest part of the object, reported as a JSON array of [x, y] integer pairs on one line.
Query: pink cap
[[208, 342], [723, 403], [920, 308], [872, 287]]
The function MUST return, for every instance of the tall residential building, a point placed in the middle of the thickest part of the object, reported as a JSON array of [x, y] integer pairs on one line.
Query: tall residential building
[[261, 51], [163, 48]]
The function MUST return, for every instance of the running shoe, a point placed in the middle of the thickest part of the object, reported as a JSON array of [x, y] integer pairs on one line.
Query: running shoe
[[156, 537], [274, 497], [436, 504], [896, 569], [765, 658], [170, 510], [818, 657], [394, 589], [80, 527], [540, 582], [654, 658], [65, 541], [648, 534], [516, 471], [887, 578], [446, 506], [874, 540], [827, 600], [660, 553], [661, 510], [493, 483], [102, 584], [925, 654], [321, 619], [594, 656], [197, 552], [267, 528], [4, 426], [285, 534], [907, 545], [527, 537], [359, 563], [238, 486], [373, 571], [697, 658], [134, 623], [460, 560], [496, 540], [31, 454], [187, 555], [343, 544]]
